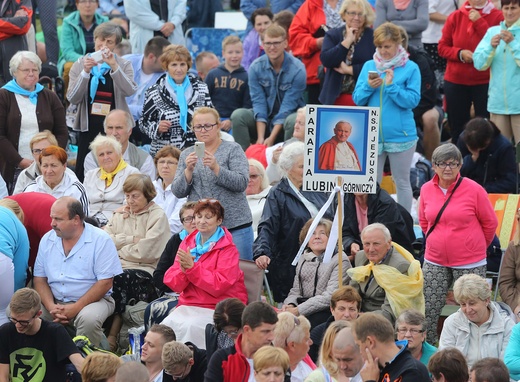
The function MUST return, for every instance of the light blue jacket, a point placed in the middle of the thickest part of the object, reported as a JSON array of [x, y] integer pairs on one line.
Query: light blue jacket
[[143, 22], [504, 61], [72, 39], [512, 354], [397, 124], [14, 243], [265, 85]]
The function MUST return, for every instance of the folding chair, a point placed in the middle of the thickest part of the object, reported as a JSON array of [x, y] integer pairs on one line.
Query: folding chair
[[254, 278], [206, 39]]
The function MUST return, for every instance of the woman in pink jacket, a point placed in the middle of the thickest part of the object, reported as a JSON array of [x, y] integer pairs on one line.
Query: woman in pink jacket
[[457, 244], [205, 272]]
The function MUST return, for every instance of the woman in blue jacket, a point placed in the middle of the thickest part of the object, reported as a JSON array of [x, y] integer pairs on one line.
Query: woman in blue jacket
[[396, 89], [499, 50]]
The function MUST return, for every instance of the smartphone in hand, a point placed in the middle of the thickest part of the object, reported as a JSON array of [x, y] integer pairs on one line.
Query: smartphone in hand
[[373, 74], [200, 147]]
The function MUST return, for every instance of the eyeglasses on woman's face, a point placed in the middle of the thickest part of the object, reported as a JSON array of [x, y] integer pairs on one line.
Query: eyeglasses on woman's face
[[206, 127], [443, 165]]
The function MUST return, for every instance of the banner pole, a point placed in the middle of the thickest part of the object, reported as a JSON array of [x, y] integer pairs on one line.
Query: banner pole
[[340, 233]]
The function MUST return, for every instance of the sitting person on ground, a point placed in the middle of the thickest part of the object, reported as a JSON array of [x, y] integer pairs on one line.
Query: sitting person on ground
[[271, 365], [38, 142], [55, 180], [256, 191], [293, 335], [509, 283], [76, 292], [315, 279], [166, 161], [386, 276], [335, 353], [345, 304], [480, 328], [286, 211], [365, 209], [184, 362], [276, 83], [228, 84], [227, 365], [100, 367], [221, 173], [411, 326], [205, 271], [119, 124], [140, 232], [30, 346], [448, 365], [261, 19], [14, 253], [488, 157], [489, 370], [227, 325], [104, 184], [151, 351], [384, 358], [159, 309]]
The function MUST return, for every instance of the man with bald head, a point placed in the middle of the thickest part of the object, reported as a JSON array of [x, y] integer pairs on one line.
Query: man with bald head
[[74, 271], [347, 356], [337, 153], [132, 371], [118, 124]]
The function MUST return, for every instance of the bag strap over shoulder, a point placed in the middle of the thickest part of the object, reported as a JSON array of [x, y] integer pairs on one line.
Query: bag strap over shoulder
[[442, 209]]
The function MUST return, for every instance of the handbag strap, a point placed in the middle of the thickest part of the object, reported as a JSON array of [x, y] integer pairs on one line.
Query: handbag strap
[[442, 209]]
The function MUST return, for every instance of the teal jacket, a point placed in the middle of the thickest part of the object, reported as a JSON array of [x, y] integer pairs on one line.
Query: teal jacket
[[504, 64], [72, 40]]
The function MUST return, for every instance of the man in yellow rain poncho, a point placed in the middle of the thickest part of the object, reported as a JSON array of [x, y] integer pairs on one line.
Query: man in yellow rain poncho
[[386, 276]]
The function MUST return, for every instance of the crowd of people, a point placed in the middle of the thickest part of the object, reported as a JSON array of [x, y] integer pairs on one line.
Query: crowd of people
[[188, 169]]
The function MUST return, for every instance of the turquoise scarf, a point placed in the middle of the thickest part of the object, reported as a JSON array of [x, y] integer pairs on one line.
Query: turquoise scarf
[[201, 249], [97, 75], [13, 86], [180, 91], [183, 234]]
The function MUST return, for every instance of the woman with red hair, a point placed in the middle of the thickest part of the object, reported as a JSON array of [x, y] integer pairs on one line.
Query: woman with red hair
[[54, 180]]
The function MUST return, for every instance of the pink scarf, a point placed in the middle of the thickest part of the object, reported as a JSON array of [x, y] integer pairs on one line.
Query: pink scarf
[[399, 59]]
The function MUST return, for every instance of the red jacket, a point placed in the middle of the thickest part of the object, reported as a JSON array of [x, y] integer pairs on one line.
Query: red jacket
[[460, 33], [213, 278], [467, 225], [11, 25], [306, 22]]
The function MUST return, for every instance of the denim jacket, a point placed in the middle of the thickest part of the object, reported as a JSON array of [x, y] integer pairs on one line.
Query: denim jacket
[[265, 85]]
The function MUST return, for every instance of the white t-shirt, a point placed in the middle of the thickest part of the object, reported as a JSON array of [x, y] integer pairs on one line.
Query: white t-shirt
[[29, 125], [301, 372], [251, 371], [433, 33]]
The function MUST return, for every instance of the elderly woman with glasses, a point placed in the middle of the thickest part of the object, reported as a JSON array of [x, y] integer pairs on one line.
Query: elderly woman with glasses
[[26, 108], [169, 104], [205, 272], [293, 335], [220, 172], [480, 328], [459, 223], [410, 326]]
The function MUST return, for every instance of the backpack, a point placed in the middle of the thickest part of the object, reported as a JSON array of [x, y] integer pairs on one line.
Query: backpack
[[420, 174]]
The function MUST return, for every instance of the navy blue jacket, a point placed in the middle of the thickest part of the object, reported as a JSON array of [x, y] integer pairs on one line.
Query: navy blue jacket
[[333, 54], [495, 167]]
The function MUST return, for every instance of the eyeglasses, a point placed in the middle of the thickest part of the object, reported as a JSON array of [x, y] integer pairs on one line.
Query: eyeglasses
[[413, 332], [37, 151], [271, 44], [22, 323], [254, 176], [178, 376], [167, 162], [206, 127], [354, 14], [187, 219], [87, 1], [451, 165], [296, 323], [231, 333]]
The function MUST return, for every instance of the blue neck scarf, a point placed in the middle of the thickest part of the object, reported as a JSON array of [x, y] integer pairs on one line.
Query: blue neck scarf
[[201, 249], [13, 86], [183, 234], [97, 75], [180, 91]]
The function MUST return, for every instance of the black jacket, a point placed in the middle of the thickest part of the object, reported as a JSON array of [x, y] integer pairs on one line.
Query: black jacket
[[165, 262], [199, 367], [282, 220], [317, 334], [381, 209], [404, 368], [495, 167]]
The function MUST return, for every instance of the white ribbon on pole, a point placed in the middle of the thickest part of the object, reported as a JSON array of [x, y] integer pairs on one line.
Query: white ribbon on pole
[[333, 237]]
